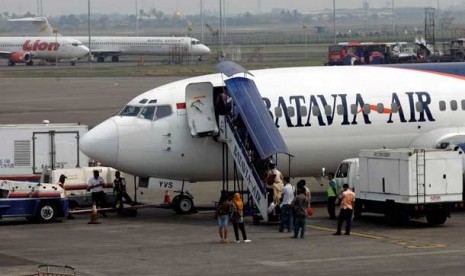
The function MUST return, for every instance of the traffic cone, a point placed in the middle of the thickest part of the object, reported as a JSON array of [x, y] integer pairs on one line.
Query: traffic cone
[[167, 199], [94, 215]]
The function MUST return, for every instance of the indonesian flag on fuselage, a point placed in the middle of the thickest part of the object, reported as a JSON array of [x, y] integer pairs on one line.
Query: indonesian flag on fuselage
[[181, 108]]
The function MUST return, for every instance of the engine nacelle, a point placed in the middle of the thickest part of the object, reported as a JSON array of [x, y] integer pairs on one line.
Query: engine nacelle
[[20, 57]]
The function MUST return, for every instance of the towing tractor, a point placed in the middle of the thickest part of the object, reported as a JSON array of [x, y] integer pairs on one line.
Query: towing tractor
[[404, 184], [33, 201]]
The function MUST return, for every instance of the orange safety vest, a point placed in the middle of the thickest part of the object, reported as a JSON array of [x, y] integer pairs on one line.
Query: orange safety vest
[[348, 198]]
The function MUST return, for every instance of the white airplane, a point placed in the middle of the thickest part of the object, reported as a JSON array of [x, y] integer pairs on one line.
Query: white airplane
[[115, 46], [324, 114], [26, 49]]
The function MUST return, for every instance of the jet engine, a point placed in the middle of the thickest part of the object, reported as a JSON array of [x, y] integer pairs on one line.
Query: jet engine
[[20, 57]]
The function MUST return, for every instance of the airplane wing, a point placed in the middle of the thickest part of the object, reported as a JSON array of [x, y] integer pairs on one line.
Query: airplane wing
[[452, 142], [105, 53]]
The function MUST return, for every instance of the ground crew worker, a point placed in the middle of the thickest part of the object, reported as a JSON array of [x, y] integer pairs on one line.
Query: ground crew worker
[[95, 184], [331, 192], [119, 186], [347, 206], [61, 183]]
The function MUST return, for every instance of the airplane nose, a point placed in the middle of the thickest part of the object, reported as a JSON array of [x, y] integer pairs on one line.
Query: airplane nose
[[206, 50], [101, 143]]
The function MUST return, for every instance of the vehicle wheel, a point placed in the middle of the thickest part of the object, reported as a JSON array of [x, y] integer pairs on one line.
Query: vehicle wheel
[[46, 213], [182, 204], [396, 216], [100, 59], [436, 217], [11, 63], [30, 63], [73, 63]]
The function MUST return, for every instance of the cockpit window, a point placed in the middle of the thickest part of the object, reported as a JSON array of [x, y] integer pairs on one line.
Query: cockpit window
[[130, 111], [147, 112], [162, 111], [195, 42]]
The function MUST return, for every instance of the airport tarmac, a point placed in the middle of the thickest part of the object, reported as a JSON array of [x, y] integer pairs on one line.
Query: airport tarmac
[[159, 242]]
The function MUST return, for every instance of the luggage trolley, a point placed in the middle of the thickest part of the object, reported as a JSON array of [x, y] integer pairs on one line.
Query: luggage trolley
[[55, 270]]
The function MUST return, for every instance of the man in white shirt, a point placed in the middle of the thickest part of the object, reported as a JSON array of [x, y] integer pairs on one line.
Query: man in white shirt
[[286, 207], [95, 184]]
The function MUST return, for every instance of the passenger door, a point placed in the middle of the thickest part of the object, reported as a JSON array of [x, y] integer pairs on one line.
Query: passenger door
[[200, 109]]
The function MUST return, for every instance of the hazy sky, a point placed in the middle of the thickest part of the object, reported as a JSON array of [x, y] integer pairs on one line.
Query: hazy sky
[[60, 7]]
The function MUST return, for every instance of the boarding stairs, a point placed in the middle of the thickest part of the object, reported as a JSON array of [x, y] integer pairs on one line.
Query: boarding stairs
[[261, 132]]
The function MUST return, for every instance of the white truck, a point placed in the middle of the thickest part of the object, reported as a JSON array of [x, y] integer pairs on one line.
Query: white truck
[[405, 183], [75, 186], [28, 149]]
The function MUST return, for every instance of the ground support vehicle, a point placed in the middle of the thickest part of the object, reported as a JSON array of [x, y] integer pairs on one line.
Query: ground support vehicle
[[75, 186], [34, 201], [405, 183], [29, 149]]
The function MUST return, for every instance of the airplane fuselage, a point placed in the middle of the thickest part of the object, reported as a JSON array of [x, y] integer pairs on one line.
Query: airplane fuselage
[[49, 48], [325, 114]]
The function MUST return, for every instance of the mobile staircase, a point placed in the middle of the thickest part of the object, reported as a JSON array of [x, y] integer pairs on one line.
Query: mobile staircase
[[261, 132]]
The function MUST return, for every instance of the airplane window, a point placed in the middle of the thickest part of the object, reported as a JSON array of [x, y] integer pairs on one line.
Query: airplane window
[[278, 112], [353, 109], [316, 111], [130, 111], [453, 105], [291, 111], [442, 105], [463, 104], [303, 111], [340, 109], [380, 108], [419, 106], [366, 109], [328, 110], [162, 112], [147, 112], [394, 108]]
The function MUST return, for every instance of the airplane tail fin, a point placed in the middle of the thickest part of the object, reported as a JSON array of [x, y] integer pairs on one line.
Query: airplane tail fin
[[42, 24]]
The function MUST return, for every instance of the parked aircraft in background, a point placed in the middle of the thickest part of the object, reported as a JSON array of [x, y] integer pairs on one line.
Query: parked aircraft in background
[[324, 114], [115, 46], [27, 49]]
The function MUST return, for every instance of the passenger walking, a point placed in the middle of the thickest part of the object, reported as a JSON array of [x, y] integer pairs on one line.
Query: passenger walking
[[303, 184], [95, 184], [222, 213], [286, 207], [300, 206], [331, 192], [347, 206], [237, 218], [119, 187]]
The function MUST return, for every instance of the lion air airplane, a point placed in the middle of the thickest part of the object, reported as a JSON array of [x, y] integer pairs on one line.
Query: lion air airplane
[[115, 46], [324, 115], [26, 49]]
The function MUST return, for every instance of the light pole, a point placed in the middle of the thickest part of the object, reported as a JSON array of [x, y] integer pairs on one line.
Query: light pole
[[334, 20], [55, 32], [305, 27], [137, 20], [201, 20], [88, 25]]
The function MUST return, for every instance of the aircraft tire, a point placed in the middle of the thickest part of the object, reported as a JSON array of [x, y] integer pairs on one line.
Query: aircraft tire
[[11, 63], [183, 204]]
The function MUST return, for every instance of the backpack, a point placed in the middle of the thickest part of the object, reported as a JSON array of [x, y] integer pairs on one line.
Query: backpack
[[223, 209]]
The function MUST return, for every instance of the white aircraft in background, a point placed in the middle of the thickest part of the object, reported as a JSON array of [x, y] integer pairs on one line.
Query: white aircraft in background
[[324, 114], [26, 49], [115, 46]]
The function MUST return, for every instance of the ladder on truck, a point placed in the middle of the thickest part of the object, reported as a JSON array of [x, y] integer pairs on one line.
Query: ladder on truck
[[420, 174], [260, 128]]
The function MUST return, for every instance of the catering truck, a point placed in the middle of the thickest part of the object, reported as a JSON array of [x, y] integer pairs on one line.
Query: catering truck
[[29, 149], [405, 183]]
